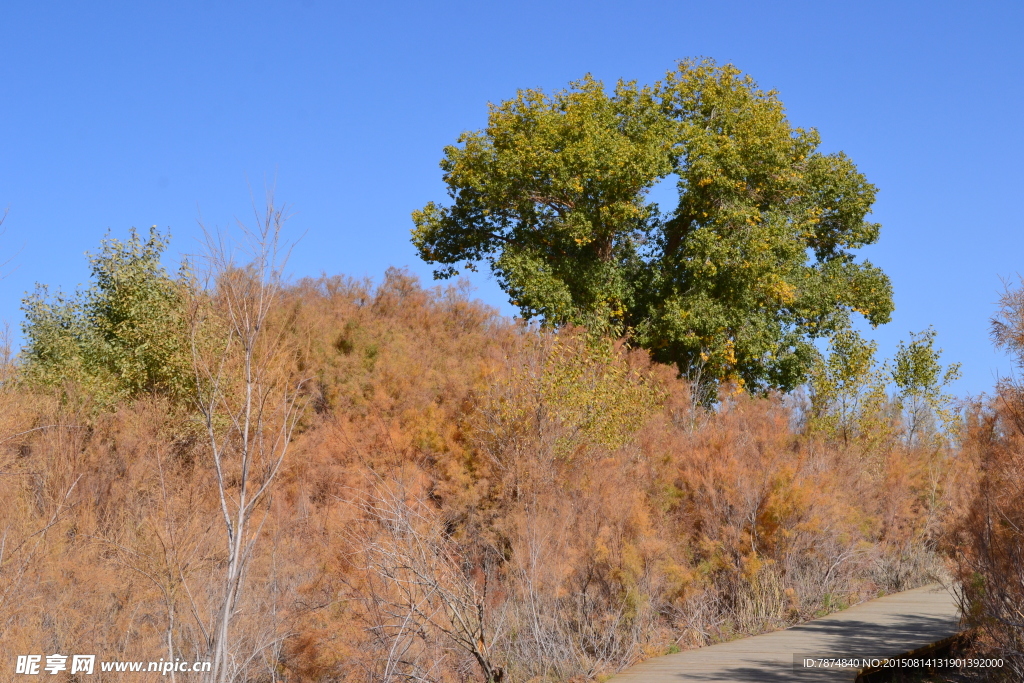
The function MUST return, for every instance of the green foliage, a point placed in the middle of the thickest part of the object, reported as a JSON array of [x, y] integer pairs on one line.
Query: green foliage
[[580, 393], [756, 260], [587, 387], [849, 398], [921, 380], [123, 337], [754, 263], [551, 194]]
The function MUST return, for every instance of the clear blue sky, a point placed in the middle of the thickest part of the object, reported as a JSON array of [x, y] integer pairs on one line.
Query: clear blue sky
[[141, 113]]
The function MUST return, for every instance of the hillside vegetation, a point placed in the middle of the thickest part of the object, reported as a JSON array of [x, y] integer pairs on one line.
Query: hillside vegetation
[[447, 494]]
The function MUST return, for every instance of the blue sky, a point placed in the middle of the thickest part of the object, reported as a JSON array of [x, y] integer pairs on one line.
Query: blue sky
[[131, 114]]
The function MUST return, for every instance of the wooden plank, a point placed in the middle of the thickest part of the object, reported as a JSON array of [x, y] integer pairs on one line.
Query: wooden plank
[[885, 627]]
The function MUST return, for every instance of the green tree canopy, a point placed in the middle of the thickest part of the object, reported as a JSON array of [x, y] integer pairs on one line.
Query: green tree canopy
[[921, 383], [848, 391], [734, 284], [124, 336]]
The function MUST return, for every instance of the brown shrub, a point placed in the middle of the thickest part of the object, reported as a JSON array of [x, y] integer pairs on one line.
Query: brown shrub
[[562, 503], [987, 541]]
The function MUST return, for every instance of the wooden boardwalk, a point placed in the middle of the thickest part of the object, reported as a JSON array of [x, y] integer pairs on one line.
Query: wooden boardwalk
[[886, 627]]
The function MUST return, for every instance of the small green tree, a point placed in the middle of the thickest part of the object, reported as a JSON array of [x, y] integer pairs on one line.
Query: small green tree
[[850, 397], [124, 336], [921, 382], [848, 392]]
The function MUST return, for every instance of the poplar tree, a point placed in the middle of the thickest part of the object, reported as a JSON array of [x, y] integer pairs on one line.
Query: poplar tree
[[732, 284]]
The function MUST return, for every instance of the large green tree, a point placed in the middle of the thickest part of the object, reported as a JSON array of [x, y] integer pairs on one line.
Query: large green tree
[[734, 283]]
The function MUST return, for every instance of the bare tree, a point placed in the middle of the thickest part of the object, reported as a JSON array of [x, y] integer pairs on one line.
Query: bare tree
[[249, 398], [422, 587], [169, 546]]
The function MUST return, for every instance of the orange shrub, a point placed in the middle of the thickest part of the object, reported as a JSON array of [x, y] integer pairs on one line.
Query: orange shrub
[[564, 505]]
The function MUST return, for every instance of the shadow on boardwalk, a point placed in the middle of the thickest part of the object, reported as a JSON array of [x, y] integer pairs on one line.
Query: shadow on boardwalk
[[885, 627]]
